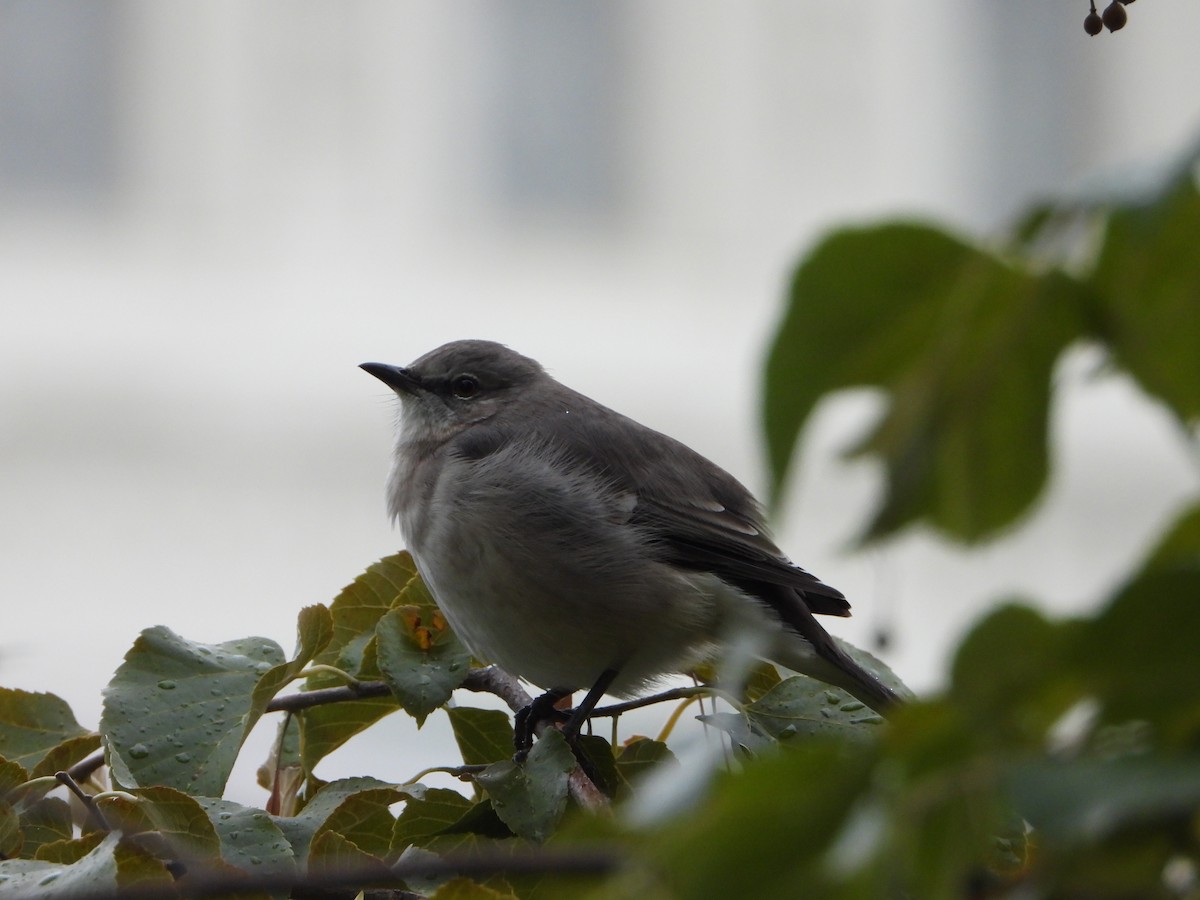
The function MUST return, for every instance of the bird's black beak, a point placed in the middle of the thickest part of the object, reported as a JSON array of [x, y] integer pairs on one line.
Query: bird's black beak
[[395, 377]]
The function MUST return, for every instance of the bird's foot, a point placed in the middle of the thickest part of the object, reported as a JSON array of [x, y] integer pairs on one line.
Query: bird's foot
[[542, 709]]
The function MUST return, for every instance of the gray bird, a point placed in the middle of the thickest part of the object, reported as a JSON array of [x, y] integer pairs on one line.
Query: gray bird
[[578, 549]]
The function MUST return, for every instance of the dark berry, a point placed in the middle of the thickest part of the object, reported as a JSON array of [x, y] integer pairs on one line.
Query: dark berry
[[1093, 24], [1115, 16]]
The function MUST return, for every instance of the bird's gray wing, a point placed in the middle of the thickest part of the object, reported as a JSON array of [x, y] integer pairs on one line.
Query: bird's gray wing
[[697, 515], [714, 539]]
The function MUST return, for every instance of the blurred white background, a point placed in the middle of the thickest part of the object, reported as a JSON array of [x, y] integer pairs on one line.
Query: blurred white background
[[211, 212]]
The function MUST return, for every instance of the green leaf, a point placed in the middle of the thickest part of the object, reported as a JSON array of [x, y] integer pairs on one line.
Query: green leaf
[[1180, 544], [1008, 675], [962, 345], [530, 798], [176, 712], [10, 830], [601, 764], [325, 728], [12, 776], [641, 755], [480, 820], [70, 851], [355, 613], [763, 678], [483, 735], [45, 822], [1147, 281], [437, 810], [801, 707], [333, 852], [301, 829], [466, 844], [763, 835], [364, 818], [33, 724], [178, 818], [21, 879], [1138, 657], [249, 839], [876, 667], [66, 754], [136, 868], [1087, 801], [359, 607], [420, 658], [314, 630]]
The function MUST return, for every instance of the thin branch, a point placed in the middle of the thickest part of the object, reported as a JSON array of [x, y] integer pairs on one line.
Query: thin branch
[[89, 803], [85, 768], [490, 680], [362, 690], [584, 792], [493, 680], [681, 693], [476, 864]]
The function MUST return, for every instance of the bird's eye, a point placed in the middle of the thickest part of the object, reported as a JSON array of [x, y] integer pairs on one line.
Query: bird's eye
[[464, 386]]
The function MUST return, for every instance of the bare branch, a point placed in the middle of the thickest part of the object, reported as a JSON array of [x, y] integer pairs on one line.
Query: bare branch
[[476, 864], [83, 769], [682, 693], [86, 799], [362, 690]]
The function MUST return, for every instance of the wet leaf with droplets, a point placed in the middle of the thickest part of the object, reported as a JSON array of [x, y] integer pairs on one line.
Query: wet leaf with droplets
[[194, 734], [530, 798], [804, 707], [420, 658], [249, 839]]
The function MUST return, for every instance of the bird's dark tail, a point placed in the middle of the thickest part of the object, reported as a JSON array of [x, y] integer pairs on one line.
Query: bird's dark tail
[[822, 657]]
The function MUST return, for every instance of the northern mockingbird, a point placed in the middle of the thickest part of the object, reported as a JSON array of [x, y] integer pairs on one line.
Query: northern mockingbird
[[578, 549]]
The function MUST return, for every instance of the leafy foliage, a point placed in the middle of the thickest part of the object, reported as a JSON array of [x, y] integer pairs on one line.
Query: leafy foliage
[[33, 725], [1061, 761], [962, 342]]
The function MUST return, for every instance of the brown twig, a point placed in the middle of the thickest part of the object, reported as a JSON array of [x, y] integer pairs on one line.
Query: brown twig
[[362, 690], [84, 769], [85, 798]]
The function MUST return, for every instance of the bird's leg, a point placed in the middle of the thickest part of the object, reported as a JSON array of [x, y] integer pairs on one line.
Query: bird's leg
[[528, 718], [543, 708], [580, 714]]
